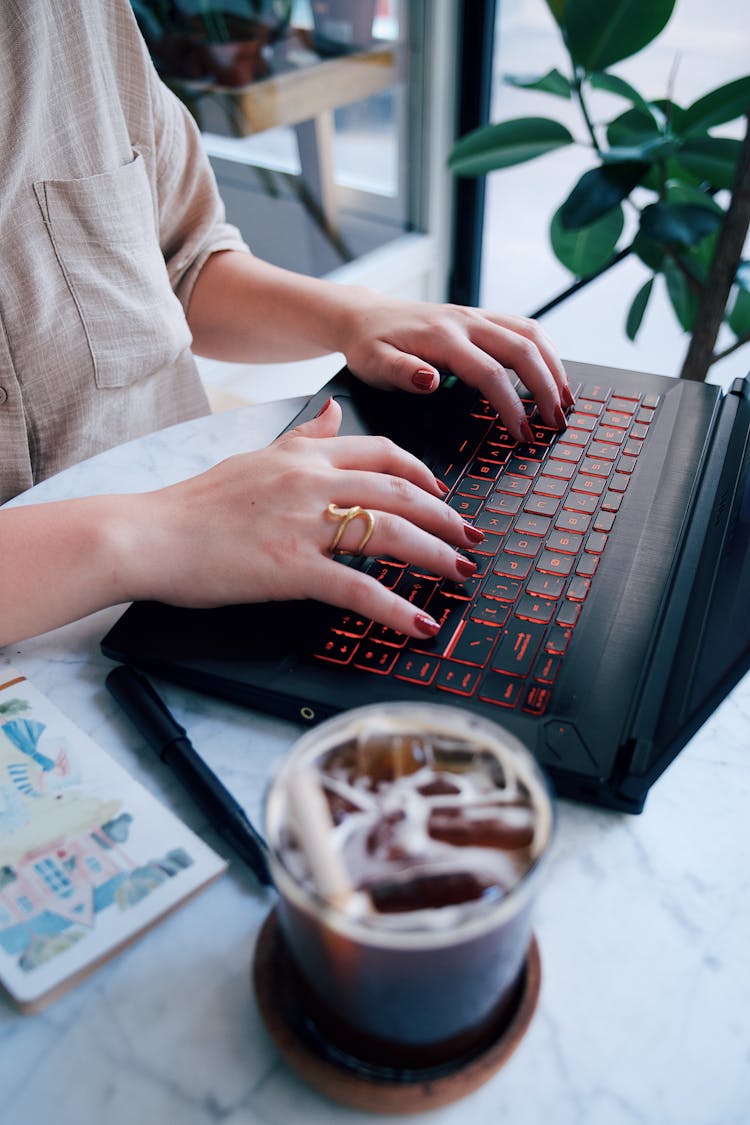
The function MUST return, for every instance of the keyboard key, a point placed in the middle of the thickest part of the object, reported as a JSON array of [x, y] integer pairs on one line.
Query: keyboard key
[[577, 437], [489, 611], [535, 609], [386, 636], [596, 467], [387, 574], [550, 486], [538, 698], [552, 563], [529, 524], [483, 470], [472, 486], [573, 521], [462, 591], [604, 521], [375, 658], [582, 421], [595, 543], [492, 454], [505, 691], [473, 643], [619, 482], [558, 640], [586, 566], [594, 486], [449, 613], [564, 543], [595, 391], [565, 451], [645, 416], [616, 419], [625, 464], [578, 589], [528, 452], [337, 649], [349, 623], [602, 451], [611, 502], [522, 467], [496, 523], [517, 486], [501, 589], [546, 668], [416, 588], [632, 447], [580, 502], [458, 678], [517, 648], [639, 431], [609, 435], [513, 566], [623, 405], [568, 614], [526, 545], [503, 502], [561, 470], [545, 585], [541, 505], [466, 506], [416, 668]]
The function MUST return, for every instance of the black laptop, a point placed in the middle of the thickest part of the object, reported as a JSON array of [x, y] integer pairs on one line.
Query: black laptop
[[610, 613]]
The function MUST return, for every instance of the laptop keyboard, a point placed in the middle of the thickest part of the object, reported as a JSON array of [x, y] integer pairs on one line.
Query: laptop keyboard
[[547, 509]]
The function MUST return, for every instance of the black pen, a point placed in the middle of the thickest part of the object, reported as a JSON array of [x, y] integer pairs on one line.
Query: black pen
[[164, 734]]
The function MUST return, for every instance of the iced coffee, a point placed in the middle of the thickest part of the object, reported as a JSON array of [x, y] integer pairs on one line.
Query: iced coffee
[[406, 843]]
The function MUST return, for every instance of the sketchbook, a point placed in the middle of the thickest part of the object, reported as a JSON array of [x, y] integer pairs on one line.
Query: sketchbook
[[89, 859]]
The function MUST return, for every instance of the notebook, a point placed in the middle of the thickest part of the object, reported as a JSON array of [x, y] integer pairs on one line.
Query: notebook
[[608, 616], [89, 859]]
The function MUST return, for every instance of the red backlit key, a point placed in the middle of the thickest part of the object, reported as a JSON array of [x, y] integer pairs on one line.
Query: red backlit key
[[537, 699], [337, 649], [375, 658], [416, 668], [458, 678], [517, 649], [501, 690], [545, 585], [473, 643], [535, 609]]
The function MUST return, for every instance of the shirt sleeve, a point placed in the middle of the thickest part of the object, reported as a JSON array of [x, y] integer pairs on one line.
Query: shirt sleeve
[[191, 215]]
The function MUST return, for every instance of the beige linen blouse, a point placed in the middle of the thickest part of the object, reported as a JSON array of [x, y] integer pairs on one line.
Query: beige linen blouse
[[108, 211]]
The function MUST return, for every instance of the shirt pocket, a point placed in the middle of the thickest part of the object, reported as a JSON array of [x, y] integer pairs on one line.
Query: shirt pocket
[[104, 236]]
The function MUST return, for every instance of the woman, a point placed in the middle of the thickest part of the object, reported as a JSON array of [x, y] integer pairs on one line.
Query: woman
[[116, 264]]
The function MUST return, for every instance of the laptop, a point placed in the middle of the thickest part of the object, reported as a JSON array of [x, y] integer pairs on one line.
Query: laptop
[[610, 612]]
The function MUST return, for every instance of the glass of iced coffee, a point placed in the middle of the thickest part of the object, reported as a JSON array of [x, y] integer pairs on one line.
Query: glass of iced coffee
[[406, 844]]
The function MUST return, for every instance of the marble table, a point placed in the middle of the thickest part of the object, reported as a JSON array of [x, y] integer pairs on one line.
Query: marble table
[[643, 922]]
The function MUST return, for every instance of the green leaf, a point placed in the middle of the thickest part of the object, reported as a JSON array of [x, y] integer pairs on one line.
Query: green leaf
[[679, 224], [553, 82], [739, 318], [650, 253], [712, 160], [557, 7], [599, 34], [683, 191], [613, 84], [507, 143], [724, 104], [599, 191], [649, 151], [587, 250], [682, 297], [637, 309]]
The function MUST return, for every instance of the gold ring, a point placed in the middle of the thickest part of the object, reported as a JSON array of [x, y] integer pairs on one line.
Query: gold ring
[[345, 517]]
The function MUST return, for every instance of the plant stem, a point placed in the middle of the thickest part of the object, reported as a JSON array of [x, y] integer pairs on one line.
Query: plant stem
[[732, 348], [578, 87], [727, 255], [581, 283]]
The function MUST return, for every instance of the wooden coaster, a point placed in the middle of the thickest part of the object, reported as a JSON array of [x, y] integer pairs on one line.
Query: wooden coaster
[[366, 1087]]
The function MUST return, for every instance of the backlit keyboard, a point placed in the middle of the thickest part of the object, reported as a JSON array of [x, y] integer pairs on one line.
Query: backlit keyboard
[[546, 508]]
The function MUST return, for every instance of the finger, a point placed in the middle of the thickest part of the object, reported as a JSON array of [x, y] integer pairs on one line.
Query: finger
[[400, 498], [391, 366], [381, 455], [326, 423], [532, 330]]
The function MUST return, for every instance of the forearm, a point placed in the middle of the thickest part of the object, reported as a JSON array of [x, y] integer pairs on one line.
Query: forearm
[[245, 310], [60, 561]]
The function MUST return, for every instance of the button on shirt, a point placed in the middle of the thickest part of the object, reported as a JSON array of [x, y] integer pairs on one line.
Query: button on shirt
[[108, 211]]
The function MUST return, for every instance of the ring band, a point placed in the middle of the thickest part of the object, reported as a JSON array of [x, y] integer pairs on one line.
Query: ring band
[[345, 517]]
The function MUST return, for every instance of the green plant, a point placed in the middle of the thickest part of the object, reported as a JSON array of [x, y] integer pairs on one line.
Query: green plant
[[688, 189]]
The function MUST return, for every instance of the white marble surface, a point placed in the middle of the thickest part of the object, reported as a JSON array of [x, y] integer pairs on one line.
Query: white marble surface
[[644, 923]]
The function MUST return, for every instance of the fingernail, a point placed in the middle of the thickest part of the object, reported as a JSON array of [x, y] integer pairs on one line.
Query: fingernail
[[526, 433], [442, 486], [560, 420], [325, 406], [473, 534], [567, 398], [423, 380], [465, 567], [427, 626]]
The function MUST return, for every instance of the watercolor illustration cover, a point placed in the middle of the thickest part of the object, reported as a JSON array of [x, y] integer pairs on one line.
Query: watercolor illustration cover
[[88, 857]]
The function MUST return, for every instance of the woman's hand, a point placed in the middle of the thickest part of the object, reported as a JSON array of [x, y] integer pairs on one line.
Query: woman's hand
[[256, 528], [403, 343]]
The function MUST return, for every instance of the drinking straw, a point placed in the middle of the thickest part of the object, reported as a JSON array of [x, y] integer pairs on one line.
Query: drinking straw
[[310, 817]]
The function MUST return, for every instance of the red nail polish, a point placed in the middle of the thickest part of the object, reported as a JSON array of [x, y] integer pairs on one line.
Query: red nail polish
[[325, 406], [423, 380], [526, 433], [465, 567], [442, 486], [473, 534], [560, 420], [567, 398], [427, 626]]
